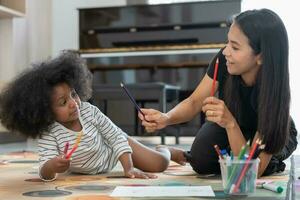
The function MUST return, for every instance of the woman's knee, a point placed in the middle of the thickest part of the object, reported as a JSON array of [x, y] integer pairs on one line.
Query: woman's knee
[[203, 157]]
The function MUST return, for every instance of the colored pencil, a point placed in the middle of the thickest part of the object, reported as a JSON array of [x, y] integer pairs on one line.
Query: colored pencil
[[218, 151], [78, 139], [71, 152], [215, 77], [132, 99], [66, 148], [258, 151], [75, 145]]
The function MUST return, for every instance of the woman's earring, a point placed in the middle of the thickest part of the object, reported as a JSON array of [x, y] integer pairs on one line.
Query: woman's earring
[[259, 62]]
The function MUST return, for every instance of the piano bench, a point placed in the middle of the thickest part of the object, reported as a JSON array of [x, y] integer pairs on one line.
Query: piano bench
[[158, 92]]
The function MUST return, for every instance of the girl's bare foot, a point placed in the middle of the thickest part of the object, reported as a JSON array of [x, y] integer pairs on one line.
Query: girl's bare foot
[[177, 154]]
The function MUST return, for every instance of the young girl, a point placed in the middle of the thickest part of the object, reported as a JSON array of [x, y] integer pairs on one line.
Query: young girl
[[254, 98], [47, 101]]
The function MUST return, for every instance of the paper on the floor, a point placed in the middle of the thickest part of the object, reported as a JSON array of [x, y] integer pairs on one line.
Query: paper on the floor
[[163, 191]]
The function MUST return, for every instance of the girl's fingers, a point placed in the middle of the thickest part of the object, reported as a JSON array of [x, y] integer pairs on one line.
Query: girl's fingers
[[145, 175], [63, 163], [152, 176], [141, 175], [130, 175]]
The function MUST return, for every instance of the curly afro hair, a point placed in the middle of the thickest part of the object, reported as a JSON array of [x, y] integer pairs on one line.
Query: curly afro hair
[[25, 103]]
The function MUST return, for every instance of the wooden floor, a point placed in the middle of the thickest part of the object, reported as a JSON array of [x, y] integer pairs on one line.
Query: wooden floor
[[19, 180]]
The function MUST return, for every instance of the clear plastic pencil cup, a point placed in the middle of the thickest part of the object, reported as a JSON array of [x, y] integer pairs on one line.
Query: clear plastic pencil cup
[[239, 176]]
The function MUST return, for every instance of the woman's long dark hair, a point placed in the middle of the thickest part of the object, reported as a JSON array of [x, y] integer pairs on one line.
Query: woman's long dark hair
[[267, 36]]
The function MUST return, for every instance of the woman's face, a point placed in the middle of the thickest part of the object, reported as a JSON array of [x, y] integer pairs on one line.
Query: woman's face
[[240, 57], [65, 104]]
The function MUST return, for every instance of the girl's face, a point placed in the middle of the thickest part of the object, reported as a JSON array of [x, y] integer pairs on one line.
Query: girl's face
[[240, 57], [65, 104]]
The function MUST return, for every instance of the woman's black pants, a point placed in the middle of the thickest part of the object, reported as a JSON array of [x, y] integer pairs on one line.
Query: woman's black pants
[[204, 159]]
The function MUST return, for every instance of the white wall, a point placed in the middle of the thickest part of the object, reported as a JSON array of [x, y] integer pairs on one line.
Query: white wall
[[13, 48], [20, 44], [65, 33], [6, 50], [39, 27], [288, 11]]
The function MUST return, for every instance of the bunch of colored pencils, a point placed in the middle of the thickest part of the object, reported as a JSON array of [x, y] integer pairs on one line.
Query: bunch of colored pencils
[[246, 165], [242, 169]]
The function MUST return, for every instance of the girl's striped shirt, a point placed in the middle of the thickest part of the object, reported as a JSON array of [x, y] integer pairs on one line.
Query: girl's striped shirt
[[101, 144]]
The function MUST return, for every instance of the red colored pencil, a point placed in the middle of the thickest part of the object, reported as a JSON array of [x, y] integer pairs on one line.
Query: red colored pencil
[[71, 152], [75, 145], [212, 92], [237, 185], [218, 151], [66, 148]]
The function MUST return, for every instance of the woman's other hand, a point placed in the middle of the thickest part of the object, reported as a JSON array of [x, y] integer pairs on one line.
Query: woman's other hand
[[216, 111]]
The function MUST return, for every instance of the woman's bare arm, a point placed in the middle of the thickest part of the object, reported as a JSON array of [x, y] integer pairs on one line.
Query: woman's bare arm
[[191, 106]]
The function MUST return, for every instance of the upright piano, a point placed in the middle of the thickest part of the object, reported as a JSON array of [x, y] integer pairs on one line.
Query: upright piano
[[170, 43]]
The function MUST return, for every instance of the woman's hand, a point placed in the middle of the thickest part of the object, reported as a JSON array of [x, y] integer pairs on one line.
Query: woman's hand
[[153, 120], [216, 111], [136, 173]]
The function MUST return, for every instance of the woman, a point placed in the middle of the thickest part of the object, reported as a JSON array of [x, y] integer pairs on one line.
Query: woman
[[253, 98]]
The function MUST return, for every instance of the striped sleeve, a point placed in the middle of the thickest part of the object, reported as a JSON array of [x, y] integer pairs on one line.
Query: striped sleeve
[[47, 148], [112, 134]]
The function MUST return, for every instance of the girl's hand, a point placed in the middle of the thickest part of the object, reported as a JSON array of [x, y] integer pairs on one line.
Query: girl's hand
[[136, 173], [59, 164], [153, 120], [216, 111]]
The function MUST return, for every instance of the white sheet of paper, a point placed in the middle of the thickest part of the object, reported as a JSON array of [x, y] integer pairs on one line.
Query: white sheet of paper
[[163, 191]]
